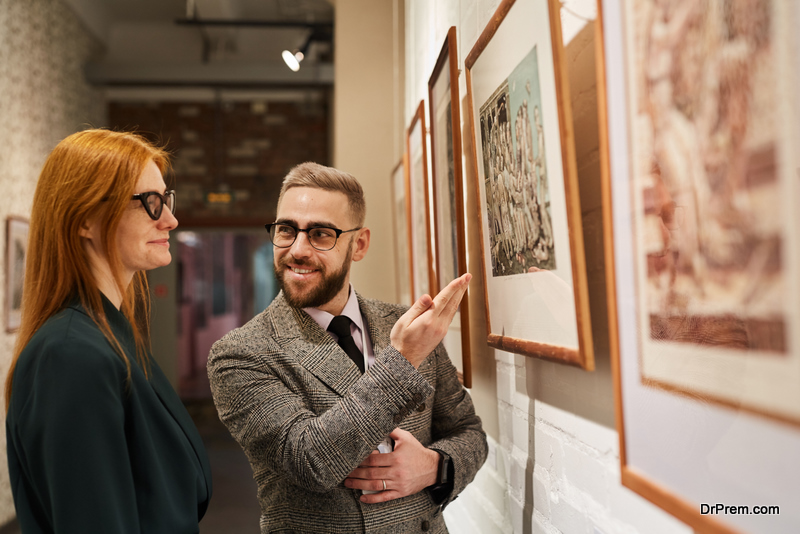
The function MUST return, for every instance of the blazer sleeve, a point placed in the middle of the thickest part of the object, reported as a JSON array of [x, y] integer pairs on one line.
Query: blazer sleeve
[[456, 429], [257, 390], [72, 432]]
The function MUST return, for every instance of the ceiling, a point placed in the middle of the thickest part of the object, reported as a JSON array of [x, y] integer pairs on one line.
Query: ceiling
[[213, 43]]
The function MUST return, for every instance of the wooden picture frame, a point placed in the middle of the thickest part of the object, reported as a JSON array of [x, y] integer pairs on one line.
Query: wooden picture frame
[[16, 252], [450, 259], [402, 248], [419, 214], [534, 268], [688, 447]]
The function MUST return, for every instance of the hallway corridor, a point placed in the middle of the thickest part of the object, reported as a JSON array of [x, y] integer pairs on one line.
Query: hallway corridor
[[234, 505]]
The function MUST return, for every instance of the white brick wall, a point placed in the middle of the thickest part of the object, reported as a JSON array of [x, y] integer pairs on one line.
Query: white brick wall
[[552, 472], [561, 470]]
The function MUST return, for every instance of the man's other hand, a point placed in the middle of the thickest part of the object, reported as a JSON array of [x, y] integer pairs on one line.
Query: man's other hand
[[409, 469]]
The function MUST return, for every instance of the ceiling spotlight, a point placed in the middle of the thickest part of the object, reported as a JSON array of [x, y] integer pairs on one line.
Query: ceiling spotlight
[[291, 60]]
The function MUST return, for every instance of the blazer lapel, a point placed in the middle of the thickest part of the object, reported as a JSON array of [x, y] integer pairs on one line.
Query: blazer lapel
[[171, 402], [379, 324], [300, 336], [380, 321], [161, 386]]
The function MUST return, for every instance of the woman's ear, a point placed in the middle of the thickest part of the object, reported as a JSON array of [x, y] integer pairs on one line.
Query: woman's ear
[[89, 229]]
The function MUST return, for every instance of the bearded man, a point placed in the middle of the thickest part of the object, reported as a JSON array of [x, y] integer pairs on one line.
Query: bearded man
[[348, 408]]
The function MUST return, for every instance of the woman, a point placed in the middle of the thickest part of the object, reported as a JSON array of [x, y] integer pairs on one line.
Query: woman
[[98, 441]]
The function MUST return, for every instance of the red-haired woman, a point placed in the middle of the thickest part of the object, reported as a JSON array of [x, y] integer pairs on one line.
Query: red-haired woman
[[98, 441]]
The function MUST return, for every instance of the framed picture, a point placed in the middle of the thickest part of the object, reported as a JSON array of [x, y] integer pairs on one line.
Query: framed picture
[[419, 215], [448, 196], [16, 250], [703, 258], [400, 227], [530, 219]]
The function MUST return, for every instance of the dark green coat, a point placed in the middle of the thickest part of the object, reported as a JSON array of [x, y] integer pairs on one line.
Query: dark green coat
[[90, 453]]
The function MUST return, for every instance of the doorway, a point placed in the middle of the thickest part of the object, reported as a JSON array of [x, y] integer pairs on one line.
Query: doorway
[[224, 278]]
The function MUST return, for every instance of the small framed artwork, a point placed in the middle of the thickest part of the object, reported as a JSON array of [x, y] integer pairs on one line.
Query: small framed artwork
[[703, 258], [524, 160], [16, 251], [419, 215], [448, 196], [400, 227]]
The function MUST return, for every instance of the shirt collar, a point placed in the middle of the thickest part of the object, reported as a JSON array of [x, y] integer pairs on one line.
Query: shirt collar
[[351, 310]]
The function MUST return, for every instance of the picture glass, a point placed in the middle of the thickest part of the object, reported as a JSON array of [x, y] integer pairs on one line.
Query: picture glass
[[402, 241], [515, 164], [419, 229], [16, 251], [522, 195], [444, 183], [714, 192]]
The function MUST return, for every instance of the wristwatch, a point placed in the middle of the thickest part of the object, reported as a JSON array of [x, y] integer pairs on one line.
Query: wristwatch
[[443, 477]]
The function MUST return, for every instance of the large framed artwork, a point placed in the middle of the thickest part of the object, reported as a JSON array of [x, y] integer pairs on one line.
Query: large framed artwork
[[16, 251], [401, 236], [448, 196], [419, 215], [703, 257], [532, 239]]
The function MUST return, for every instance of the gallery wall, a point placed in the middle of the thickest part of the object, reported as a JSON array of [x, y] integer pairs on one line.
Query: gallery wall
[[553, 464], [43, 98], [364, 126]]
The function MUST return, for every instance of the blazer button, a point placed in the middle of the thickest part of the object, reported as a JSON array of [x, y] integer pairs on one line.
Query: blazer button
[[426, 526], [421, 407], [397, 419]]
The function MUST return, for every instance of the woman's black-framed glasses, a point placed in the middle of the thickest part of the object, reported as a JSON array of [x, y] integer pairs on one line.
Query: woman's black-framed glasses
[[321, 238], [154, 202]]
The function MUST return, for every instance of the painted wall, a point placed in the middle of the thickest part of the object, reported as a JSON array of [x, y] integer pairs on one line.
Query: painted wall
[[43, 98], [554, 455], [365, 126]]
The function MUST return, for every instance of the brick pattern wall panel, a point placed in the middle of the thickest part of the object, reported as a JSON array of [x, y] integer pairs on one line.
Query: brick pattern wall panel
[[234, 150]]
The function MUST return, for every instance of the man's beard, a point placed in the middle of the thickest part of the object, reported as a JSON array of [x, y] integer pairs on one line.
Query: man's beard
[[324, 292]]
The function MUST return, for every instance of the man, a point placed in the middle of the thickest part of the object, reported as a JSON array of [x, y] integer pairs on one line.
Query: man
[[309, 420]]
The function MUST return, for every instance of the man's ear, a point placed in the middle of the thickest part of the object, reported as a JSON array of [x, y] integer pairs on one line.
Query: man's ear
[[362, 244]]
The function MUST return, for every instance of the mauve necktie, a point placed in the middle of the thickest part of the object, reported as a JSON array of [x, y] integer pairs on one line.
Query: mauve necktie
[[340, 325]]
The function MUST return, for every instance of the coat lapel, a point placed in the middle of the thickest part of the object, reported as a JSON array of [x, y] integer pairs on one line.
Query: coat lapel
[[299, 335], [160, 385], [379, 324], [380, 320]]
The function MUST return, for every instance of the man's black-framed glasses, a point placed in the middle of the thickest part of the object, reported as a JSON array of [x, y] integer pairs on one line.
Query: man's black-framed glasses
[[154, 202], [322, 238]]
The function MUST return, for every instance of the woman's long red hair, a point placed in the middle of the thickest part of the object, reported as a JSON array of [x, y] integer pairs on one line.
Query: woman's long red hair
[[90, 175]]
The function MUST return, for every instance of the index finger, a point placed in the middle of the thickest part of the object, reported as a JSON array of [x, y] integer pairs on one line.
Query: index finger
[[449, 298], [375, 459]]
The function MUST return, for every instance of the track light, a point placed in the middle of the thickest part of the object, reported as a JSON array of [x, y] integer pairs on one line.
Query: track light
[[293, 59]]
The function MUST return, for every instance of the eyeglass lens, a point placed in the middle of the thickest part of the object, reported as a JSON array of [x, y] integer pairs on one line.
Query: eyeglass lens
[[155, 203], [284, 235]]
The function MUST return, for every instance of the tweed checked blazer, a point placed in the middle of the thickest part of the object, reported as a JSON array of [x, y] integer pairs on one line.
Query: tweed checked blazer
[[306, 417]]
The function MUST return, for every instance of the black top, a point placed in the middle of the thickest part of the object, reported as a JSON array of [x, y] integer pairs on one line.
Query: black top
[[89, 452]]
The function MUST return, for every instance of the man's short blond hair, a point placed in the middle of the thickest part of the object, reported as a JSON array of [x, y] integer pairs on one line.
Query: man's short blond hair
[[311, 174]]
